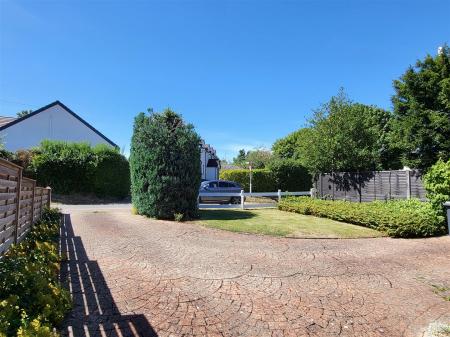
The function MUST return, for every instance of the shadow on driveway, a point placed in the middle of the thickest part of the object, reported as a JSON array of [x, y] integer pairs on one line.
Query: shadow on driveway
[[94, 310]]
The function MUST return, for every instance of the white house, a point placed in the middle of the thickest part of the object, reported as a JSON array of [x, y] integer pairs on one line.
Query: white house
[[54, 121], [210, 162]]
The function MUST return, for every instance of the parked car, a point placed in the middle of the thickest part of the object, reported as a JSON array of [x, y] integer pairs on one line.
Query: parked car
[[220, 186]]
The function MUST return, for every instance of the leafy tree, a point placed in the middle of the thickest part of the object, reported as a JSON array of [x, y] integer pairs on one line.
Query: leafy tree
[[241, 158], [346, 136], [259, 158], [23, 113], [294, 145], [421, 128], [165, 166]]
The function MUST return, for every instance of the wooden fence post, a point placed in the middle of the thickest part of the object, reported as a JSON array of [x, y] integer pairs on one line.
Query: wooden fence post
[[41, 209], [359, 186], [32, 203], [49, 196], [408, 182], [17, 219]]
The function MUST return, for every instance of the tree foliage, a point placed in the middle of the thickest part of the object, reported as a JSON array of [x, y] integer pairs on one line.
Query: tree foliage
[[422, 111], [437, 184], [347, 136], [259, 158], [165, 166], [23, 113], [240, 159], [294, 146]]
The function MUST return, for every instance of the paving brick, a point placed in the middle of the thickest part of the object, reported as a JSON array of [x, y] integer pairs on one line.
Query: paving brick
[[132, 275]]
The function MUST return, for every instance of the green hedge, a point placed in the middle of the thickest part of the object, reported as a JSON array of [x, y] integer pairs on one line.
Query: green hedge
[[263, 180], [286, 175], [32, 301], [165, 166], [80, 168], [437, 184], [290, 175], [397, 218]]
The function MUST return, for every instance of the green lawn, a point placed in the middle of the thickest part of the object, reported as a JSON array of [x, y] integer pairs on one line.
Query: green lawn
[[280, 223]]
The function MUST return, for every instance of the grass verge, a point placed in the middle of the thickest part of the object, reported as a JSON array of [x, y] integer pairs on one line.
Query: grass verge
[[279, 223]]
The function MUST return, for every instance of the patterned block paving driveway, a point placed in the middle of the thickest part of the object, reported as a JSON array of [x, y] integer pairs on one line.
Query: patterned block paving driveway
[[133, 276]]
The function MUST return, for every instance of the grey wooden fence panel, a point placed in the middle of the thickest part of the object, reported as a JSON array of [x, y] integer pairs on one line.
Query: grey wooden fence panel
[[370, 186], [417, 188]]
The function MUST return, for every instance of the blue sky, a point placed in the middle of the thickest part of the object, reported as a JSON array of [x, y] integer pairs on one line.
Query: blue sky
[[243, 72]]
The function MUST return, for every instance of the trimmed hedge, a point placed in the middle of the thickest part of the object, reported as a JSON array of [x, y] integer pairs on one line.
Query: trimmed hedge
[[263, 180], [285, 174], [80, 168], [32, 301], [165, 166], [437, 184], [290, 175], [397, 218]]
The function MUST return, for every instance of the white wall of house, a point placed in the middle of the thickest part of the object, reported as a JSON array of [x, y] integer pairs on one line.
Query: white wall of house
[[208, 173], [55, 123]]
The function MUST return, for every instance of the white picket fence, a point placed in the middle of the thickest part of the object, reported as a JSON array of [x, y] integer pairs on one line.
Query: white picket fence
[[243, 194]]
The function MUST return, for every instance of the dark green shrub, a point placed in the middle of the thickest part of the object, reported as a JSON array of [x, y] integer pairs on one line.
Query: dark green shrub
[[397, 218], [437, 184], [31, 299], [66, 167], [79, 168], [5, 154], [263, 180], [290, 175], [165, 166], [112, 173]]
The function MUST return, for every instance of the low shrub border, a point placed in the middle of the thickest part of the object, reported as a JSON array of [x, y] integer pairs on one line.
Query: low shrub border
[[32, 301], [397, 218]]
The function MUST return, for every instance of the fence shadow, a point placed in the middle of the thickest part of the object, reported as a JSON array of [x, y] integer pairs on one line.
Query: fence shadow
[[347, 181], [94, 310]]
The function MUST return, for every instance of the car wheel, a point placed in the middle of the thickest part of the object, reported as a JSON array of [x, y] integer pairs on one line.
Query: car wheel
[[235, 200]]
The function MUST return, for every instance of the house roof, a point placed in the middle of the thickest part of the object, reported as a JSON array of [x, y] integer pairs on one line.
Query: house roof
[[208, 148], [6, 122]]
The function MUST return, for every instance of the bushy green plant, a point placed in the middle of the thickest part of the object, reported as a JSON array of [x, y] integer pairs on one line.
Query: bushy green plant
[[112, 173], [263, 180], [397, 218], [290, 175], [165, 166], [31, 298], [80, 168], [283, 174], [437, 184], [66, 167]]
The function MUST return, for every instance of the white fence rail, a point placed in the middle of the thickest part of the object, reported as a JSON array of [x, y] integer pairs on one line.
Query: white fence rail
[[243, 194]]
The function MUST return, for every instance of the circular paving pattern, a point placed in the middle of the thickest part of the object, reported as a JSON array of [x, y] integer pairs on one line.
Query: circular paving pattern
[[133, 276]]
